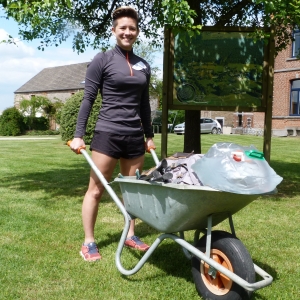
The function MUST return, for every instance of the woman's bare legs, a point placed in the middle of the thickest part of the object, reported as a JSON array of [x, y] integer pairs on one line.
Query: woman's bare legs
[[106, 165], [128, 168]]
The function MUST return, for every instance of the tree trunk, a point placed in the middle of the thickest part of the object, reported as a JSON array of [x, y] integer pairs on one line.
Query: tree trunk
[[195, 5], [192, 140], [192, 136]]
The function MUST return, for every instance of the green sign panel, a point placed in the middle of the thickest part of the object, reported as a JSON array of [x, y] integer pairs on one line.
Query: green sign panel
[[218, 68]]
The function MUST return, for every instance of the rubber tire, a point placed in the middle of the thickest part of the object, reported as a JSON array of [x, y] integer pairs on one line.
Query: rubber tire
[[214, 130], [239, 258]]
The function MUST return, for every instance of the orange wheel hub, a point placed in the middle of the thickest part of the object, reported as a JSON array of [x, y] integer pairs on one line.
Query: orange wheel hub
[[219, 284]]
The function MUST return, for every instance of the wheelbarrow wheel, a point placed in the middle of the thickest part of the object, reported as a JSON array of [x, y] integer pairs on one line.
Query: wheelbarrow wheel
[[230, 252]]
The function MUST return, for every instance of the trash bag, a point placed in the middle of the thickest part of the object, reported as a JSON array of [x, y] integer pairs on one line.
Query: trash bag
[[237, 169], [174, 169], [181, 169]]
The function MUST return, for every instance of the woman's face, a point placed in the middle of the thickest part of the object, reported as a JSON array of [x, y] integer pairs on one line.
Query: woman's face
[[126, 32]]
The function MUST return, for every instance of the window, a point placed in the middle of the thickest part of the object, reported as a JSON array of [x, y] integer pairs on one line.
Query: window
[[295, 103], [296, 43], [208, 120]]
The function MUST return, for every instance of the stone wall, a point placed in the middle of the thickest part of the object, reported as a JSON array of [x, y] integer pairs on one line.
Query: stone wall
[[52, 96]]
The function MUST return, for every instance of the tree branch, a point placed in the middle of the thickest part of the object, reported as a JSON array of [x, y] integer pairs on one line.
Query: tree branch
[[226, 17]]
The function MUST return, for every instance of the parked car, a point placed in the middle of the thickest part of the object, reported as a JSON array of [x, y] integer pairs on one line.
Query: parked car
[[207, 126]]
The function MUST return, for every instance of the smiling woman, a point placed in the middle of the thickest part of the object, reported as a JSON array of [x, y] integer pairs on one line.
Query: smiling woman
[[126, 32], [125, 28], [123, 130]]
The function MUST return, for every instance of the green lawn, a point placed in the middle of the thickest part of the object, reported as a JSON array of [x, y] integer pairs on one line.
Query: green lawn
[[42, 184]]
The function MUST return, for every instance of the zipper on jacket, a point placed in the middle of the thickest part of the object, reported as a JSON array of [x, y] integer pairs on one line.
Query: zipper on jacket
[[127, 58]]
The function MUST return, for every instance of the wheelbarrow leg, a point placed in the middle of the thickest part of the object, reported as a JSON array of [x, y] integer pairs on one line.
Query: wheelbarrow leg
[[187, 254]]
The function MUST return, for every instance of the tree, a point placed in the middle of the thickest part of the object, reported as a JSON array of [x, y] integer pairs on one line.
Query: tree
[[89, 22], [30, 107], [53, 110]]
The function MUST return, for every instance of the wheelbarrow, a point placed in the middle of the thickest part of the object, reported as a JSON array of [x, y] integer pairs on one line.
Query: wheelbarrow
[[222, 267]]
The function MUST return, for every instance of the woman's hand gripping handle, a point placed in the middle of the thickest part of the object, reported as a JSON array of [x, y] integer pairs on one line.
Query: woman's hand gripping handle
[[76, 145]]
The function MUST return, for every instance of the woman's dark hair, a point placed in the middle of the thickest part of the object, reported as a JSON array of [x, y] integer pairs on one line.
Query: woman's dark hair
[[124, 11]]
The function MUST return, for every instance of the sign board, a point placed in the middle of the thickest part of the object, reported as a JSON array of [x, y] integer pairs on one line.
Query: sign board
[[219, 69]]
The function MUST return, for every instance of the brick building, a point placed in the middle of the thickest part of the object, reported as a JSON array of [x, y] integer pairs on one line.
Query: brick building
[[286, 112]]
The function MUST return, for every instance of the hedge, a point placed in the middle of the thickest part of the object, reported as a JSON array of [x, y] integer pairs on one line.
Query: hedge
[[69, 116], [11, 122]]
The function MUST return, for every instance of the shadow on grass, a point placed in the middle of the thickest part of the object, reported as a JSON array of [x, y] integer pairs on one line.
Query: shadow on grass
[[169, 258], [290, 185], [71, 181], [270, 271]]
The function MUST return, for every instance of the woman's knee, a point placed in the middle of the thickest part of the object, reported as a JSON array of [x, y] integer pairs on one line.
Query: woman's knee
[[95, 193]]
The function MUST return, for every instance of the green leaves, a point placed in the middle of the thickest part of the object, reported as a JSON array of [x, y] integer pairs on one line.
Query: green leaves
[[89, 22], [11, 122], [69, 114], [34, 105], [283, 17], [179, 16]]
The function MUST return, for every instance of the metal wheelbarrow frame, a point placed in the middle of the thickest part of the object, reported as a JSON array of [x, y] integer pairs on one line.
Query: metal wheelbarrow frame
[[139, 196]]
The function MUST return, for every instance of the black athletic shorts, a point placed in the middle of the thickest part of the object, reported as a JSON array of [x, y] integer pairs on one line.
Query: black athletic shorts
[[116, 145]]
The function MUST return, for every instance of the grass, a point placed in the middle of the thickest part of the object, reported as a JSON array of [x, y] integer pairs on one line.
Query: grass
[[41, 186]]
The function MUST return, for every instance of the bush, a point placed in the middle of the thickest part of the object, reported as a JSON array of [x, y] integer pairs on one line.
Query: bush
[[11, 122], [68, 118], [36, 123]]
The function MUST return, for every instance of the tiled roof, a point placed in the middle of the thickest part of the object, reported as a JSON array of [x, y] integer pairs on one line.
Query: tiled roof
[[67, 77]]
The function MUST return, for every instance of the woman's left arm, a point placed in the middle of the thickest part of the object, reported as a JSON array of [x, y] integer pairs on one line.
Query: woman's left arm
[[145, 109]]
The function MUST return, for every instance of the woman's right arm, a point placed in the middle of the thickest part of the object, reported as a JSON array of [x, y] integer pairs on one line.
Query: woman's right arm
[[91, 88]]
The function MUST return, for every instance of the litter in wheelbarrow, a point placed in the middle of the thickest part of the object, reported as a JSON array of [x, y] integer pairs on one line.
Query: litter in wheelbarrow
[[226, 167], [175, 169], [237, 169]]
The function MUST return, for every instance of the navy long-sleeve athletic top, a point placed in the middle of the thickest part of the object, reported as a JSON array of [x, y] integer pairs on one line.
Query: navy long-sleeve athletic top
[[123, 80]]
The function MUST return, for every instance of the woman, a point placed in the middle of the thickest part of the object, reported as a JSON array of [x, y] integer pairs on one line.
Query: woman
[[124, 119]]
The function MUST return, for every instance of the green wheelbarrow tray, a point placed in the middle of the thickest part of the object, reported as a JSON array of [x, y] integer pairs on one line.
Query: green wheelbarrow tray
[[175, 208]]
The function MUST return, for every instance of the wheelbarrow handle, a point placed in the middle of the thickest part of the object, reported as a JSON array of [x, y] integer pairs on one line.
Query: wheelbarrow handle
[[155, 158], [78, 151]]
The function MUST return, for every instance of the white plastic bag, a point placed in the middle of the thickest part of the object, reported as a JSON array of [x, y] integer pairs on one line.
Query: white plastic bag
[[233, 168], [182, 171]]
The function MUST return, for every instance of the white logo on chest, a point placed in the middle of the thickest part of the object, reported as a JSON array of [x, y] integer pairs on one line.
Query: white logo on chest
[[139, 66]]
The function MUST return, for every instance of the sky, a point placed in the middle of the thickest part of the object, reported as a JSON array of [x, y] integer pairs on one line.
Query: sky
[[20, 62]]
